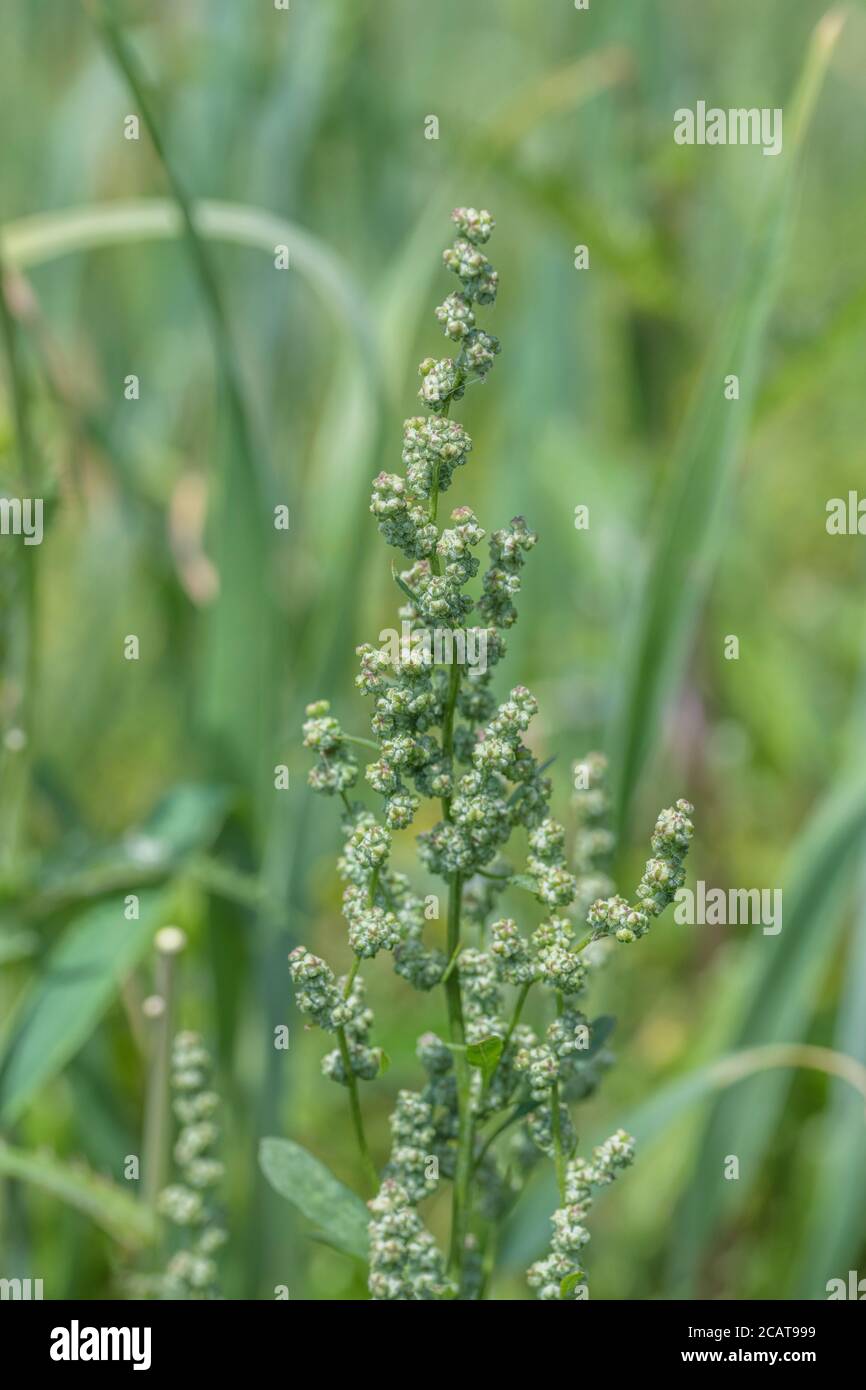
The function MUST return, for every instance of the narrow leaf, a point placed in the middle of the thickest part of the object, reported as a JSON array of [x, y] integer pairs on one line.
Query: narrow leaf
[[78, 982], [126, 1219]]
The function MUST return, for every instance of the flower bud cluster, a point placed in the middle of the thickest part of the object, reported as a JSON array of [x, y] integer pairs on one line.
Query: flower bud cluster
[[593, 842], [192, 1271], [546, 862], [663, 875], [421, 965], [483, 810], [324, 1000], [405, 1262], [559, 1275], [501, 582], [335, 769]]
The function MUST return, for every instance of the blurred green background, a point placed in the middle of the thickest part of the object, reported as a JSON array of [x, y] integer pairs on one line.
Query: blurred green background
[[260, 387]]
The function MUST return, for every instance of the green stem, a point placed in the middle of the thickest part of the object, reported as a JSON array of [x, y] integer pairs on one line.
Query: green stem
[[448, 730], [127, 62], [449, 969], [350, 978], [362, 742], [157, 1112], [494, 1135], [558, 1155], [515, 1019], [461, 1195], [355, 1107]]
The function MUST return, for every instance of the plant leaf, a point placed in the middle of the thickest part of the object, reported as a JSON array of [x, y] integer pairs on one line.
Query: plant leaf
[[599, 1031], [485, 1054], [126, 1220], [305, 1182], [523, 881], [77, 983]]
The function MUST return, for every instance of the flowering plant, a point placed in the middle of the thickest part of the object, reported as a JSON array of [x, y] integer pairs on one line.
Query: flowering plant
[[497, 1093]]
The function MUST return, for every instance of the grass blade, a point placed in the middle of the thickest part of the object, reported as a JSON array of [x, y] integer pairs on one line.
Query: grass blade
[[124, 1218], [693, 514], [78, 981]]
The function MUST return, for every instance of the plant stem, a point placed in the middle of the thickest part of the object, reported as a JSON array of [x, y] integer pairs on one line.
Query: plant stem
[[448, 729], [515, 1019], [157, 1112], [492, 1137], [558, 1155], [355, 1107], [362, 742], [350, 978], [461, 1191]]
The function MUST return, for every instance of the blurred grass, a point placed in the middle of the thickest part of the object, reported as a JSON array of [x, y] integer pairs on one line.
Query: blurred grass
[[306, 128]]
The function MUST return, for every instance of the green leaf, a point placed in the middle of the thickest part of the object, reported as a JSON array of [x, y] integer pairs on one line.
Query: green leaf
[[305, 1182], [186, 819], [571, 1281], [485, 1054], [523, 881], [77, 983], [126, 1220], [599, 1032]]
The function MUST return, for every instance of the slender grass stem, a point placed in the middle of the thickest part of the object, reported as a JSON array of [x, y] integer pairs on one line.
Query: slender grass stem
[[127, 63], [170, 941], [21, 643]]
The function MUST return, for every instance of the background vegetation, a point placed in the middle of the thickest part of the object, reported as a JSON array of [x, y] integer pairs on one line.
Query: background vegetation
[[258, 387]]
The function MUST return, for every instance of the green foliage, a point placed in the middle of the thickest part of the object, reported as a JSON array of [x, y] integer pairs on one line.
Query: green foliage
[[338, 1214]]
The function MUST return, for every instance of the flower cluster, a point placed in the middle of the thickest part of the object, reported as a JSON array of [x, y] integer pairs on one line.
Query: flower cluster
[[663, 875], [192, 1270], [593, 841], [337, 1006], [335, 770], [405, 1262], [559, 1275]]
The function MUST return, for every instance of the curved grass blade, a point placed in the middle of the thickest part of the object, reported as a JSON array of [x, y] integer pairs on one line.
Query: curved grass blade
[[125, 1219]]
